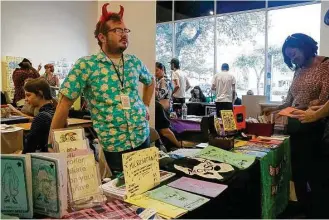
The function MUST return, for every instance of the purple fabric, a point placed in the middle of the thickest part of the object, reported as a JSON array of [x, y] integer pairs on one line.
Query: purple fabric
[[180, 125]]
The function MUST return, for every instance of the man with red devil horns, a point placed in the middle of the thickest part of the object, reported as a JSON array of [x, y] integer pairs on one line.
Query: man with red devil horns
[[109, 81]]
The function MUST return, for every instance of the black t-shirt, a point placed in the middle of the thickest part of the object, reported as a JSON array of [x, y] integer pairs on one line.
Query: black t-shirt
[[161, 118], [238, 101]]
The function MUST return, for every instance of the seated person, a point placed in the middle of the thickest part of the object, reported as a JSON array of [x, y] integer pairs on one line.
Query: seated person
[[37, 94], [197, 95], [162, 126], [237, 100]]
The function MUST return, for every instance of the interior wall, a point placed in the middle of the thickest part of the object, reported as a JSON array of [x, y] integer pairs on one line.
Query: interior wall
[[140, 18], [47, 30], [324, 35]]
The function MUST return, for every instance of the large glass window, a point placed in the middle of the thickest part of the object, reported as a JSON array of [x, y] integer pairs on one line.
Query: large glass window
[[282, 23], [195, 49], [240, 41], [164, 36], [241, 44]]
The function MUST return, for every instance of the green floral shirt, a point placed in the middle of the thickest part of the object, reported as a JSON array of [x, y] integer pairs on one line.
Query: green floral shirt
[[118, 129]]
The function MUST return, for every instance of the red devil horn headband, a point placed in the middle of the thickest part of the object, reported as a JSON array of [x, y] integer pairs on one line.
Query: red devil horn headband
[[106, 14]]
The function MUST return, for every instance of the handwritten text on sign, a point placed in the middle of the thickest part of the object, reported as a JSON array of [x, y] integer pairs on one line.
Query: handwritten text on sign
[[83, 176], [141, 170]]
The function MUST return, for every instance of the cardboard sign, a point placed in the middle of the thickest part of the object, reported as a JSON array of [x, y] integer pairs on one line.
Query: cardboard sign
[[141, 170]]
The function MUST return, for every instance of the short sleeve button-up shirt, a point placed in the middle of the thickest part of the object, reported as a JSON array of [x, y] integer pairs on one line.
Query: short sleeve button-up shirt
[[118, 129]]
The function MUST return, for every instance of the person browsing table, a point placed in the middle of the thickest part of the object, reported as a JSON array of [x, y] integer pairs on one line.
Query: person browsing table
[[310, 86], [109, 81]]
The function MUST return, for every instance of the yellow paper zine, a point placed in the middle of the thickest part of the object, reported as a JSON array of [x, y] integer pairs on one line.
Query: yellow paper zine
[[83, 176], [228, 120], [141, 171], [162, 208]]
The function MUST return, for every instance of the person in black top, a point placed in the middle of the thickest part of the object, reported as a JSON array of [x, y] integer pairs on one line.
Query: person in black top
[[237, 100], [162, 126], [197, 95], [37, 94]]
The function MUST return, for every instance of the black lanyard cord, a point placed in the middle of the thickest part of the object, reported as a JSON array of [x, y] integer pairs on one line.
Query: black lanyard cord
[[118, 72]]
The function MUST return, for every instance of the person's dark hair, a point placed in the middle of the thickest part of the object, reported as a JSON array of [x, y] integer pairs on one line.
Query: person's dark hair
[[40, 87], [225, 67], [176, 63], [21, 65], [51, 66], [202, 96], [161, 66], [303, 42], [101, 27]]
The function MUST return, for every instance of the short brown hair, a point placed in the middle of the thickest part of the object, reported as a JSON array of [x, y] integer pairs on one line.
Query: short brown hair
[[51, 66], [37, 85], [101, 26]]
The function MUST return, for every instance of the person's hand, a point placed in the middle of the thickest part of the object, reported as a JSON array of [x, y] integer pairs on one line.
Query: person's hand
[[39, 67], [315, 102], [12, 109], [316, 107], [269, 110], [305, 116]]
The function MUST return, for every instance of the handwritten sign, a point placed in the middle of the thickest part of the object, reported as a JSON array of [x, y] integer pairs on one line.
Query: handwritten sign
[[141, 170], [228, 119], [239, 160], [72, 146], [83, 176]]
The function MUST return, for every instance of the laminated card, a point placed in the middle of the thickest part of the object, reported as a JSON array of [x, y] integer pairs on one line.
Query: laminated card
[[49, 184], [16, 186]]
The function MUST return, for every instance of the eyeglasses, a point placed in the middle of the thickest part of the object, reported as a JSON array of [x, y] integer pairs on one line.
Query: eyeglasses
[[120, 31]]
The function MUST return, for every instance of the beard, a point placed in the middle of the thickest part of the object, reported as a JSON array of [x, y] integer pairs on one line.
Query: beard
[[115, 48]]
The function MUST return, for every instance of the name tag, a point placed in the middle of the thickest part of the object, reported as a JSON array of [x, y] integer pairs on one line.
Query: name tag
[[125, 101]]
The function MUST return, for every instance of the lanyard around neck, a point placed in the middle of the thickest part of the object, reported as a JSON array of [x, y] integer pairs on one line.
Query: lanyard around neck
[[118, 72]]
